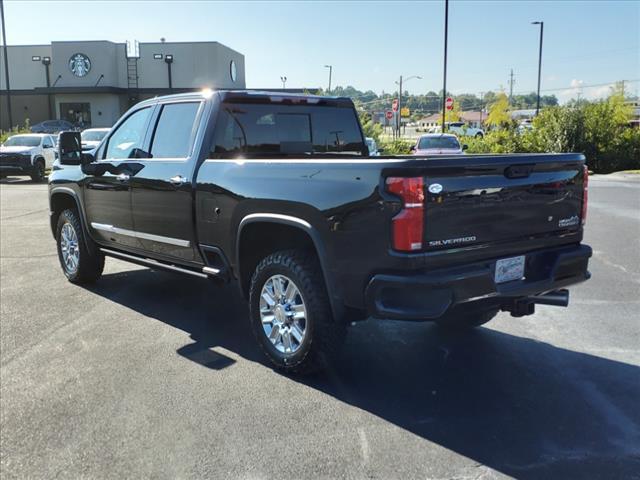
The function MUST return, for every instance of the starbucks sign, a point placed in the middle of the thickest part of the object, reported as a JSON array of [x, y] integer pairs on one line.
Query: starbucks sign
[[79, 64]]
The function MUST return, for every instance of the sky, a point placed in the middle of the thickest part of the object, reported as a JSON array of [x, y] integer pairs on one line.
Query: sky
[[587, 44]]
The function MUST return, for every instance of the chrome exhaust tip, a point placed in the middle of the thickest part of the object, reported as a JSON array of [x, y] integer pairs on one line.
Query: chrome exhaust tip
[[557, 298]]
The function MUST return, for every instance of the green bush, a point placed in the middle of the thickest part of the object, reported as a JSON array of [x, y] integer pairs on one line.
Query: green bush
[[396, 147], [4, 134], [600, 130]]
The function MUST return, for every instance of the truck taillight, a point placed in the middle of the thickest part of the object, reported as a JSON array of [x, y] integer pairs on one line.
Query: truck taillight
[[408, 224], [585, 192]]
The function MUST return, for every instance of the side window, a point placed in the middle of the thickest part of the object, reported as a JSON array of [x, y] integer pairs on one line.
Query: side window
[[174, 130], [278, 129], [129, 135], [336, 131], [47, 143]]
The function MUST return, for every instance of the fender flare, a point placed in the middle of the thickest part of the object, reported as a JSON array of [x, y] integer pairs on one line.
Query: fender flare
[[70, 193], [337, 305]]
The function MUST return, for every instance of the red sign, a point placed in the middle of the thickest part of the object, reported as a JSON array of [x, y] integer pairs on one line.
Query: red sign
[[394, 105], [388, 114], [449, 103]]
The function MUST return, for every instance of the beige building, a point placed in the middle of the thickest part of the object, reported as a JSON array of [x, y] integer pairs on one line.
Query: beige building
[[91, 83]]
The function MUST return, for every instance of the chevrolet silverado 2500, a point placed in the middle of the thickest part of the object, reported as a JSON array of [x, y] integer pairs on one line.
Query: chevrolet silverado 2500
[[277, 193]]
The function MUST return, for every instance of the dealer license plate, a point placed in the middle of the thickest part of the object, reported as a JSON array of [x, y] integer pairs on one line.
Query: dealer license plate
[[509, 269]]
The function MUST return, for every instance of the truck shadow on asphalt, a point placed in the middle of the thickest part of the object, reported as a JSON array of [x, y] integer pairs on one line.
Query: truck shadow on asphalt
[[520, 406]]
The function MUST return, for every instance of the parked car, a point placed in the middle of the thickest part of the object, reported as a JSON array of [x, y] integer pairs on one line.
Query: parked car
[[438, 144], [52, 126], [525, 126], [276, 194], [28, 154], [373, 147], [91, 137]]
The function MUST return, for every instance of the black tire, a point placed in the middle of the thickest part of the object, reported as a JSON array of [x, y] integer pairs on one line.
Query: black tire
[[466, 320], [479, 135], [323, 335], [90, 262], [37, 174]]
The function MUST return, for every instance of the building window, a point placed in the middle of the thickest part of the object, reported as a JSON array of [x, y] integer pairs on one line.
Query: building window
[[233, 71]]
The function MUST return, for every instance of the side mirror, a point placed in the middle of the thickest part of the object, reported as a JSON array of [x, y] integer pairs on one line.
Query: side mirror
[[381, 150], [70, 148], [412, 148], [464, 147]]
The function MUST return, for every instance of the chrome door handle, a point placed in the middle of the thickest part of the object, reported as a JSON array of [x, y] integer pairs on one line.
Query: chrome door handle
[[123, 177], [177, 180]]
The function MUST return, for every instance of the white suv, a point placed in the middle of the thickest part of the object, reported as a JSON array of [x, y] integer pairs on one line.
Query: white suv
[[29, 154], [460, 129], [463, 130]]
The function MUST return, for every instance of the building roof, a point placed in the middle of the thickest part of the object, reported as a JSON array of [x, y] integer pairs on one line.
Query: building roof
[[434, 117]]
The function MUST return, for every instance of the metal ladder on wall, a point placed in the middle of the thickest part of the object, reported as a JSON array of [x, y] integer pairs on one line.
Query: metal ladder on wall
[[133, 54]]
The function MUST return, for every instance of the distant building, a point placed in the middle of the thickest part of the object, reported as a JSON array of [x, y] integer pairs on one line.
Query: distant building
[[91, 83]]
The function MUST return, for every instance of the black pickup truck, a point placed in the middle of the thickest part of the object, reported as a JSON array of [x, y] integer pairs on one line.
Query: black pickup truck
[[277, 193]]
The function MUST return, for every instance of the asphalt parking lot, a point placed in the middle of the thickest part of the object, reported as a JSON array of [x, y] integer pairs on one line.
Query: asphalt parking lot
[[150, 374]]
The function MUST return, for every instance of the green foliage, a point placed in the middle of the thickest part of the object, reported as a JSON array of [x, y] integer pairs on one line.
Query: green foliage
[[431, 102], [499, 115], [396, 146], [4, 134], [370, 129], [600, 130]]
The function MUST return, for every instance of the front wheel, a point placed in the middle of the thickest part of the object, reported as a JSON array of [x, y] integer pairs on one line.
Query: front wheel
[[291, 316], [37, 175], [80, 259]]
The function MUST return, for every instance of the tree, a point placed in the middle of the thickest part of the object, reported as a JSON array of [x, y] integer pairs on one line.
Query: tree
[[499, 115]]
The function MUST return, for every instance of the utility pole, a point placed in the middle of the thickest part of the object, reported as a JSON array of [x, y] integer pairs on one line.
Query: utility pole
[[444, 81], [6, 65], [539, 63], [511, 82]]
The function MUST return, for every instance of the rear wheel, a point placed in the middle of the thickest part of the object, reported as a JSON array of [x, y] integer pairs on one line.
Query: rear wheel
[[466, 320], [80, 259], [479, 135], [291, 316], [37, 175]]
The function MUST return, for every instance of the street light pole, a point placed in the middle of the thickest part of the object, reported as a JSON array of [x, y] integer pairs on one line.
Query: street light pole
[[284, 82], [330, 67], [539, 63], [399, 116], [444, 81], [6, 65], [399, 113], [46, 61]]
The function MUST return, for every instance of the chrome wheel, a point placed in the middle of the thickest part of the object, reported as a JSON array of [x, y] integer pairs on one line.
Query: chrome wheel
[[283, 314], [69, 248]]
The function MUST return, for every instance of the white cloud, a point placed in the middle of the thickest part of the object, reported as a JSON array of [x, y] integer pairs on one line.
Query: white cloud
[[577, 89]]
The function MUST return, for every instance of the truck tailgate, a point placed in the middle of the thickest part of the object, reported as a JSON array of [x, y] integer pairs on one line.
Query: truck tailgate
[[488, 204]]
